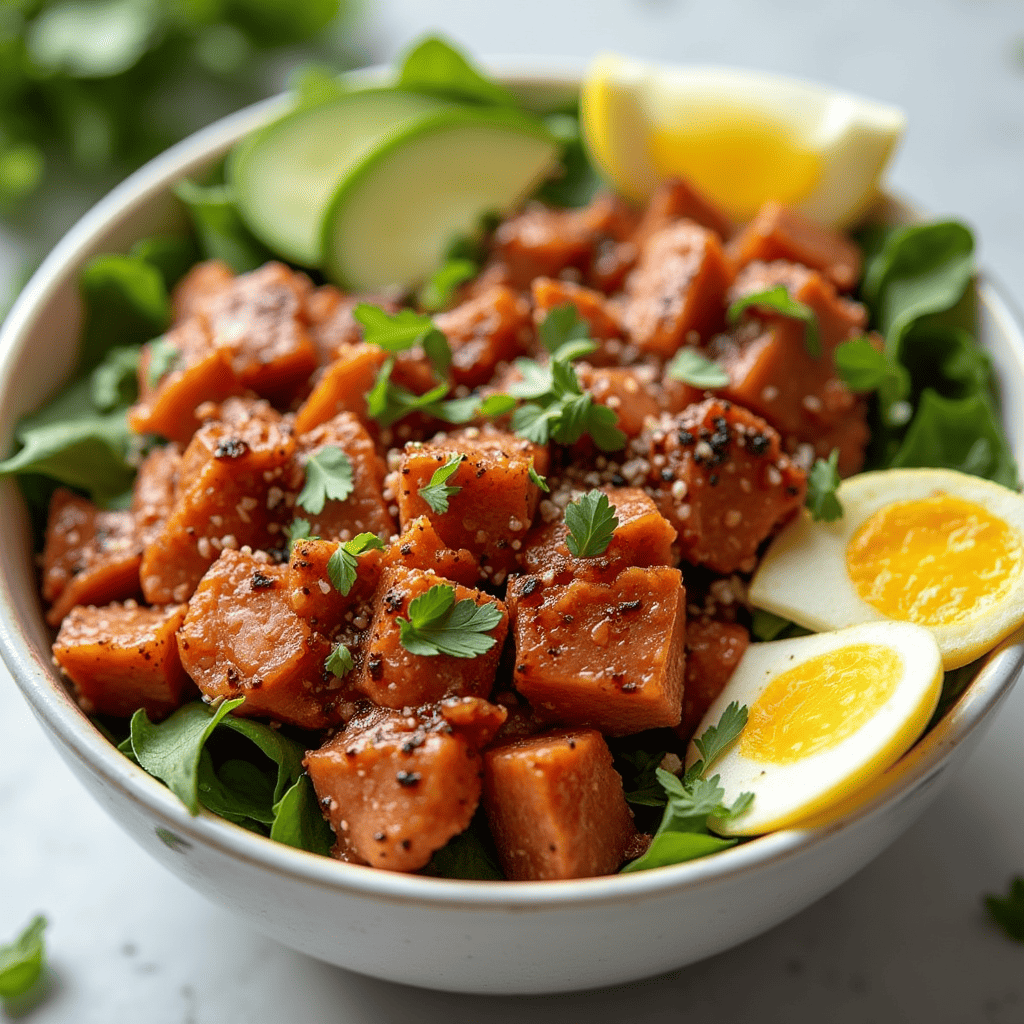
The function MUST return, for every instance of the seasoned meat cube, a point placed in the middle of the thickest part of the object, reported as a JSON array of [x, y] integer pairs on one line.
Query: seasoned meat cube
[[607, 655], [556, 806], [122, 658]]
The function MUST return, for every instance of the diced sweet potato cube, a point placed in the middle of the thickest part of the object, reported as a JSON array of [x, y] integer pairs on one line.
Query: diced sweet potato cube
[[201, 373], [224, 499], [364, 510], [197, 289], [778, 233], [241, 638], [153, 491], [678, 199], [419, 547], [496, 501], [491, 328], [90, 556], [556, 806], [397, 786], [314, 598], [713, 650], [722, 481], [395, 677], [549, 293], [333, 328], [642, 537], [676, 295], [628, 391], [123, 657], [343, 387], [607, 655]]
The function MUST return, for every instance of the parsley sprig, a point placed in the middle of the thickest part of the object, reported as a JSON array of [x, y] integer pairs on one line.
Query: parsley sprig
[[340, 661], [438, 491], [822, 483], [438, 624], [683, 833], [343, 565], [388, 402], [779, 300], [397, 332], [689, 366], [591, 521], [328, 476]]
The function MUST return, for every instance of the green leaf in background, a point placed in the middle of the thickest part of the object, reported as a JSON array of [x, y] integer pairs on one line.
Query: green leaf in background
[[298, 820], [221, 232], [467, 856], [172, 255], [114, 382], [766, 625], [1008, 911], [439, 291], [21, 170], [946, 358], [689, 366], [21, 961], [433, 66], [314, 84], [273, 23], [579, 182], [822, 484]]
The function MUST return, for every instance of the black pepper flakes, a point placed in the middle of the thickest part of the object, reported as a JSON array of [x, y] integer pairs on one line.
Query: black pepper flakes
[[260, 581], [230, 448], [408, 779]]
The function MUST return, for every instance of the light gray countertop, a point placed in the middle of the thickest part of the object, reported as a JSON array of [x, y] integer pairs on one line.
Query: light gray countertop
[[905, 940]]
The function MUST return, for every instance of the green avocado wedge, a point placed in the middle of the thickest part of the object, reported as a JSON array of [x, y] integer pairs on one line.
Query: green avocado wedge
[[391, 218], [283, 177]]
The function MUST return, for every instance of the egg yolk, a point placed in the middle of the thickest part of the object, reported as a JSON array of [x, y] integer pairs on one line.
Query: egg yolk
[[737, 159], [815, 705], [934, 561]]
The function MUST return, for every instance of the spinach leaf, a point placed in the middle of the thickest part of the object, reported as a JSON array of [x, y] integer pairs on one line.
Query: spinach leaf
[[298, 820], [114, 382], [433, 66], [172, 255], [222, 235], [468, 855], [238, 791]]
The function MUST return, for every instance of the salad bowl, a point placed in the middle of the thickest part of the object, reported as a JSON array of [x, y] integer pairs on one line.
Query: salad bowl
[[481, 937]]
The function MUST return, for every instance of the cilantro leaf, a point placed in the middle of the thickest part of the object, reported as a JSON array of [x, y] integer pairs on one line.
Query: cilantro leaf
[[779, 300], [822, 482], [298, 530], [591, 521], [689, 366], [397, 332], [328, 476], [340, 661], [388, 402], [712, 743], [1008, 911], [342, 566], [540, 481], [441, 286], [561, 326], [163, 357], [437, 624], [21, 961], [437, 492]]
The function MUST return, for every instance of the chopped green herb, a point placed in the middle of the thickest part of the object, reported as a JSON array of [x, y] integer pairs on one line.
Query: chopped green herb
[[343, 565], [689, 366], [496, 405], [779, 300], [340, 661], [437, 492], [163, 357], [591, 521], [21, 961], [398, 332], [562, 326], [388, 402], [328, 477], [441, 286], [437, 624], [822, 483], [1008, 911], [715, 739], [298, 530], [646, 789], [539, 480]]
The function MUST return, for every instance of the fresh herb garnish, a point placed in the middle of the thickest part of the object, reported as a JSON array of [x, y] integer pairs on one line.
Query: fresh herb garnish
[[163, 357], [562, 332], [438, 624], [398, 332], [591, 521], [779, 300], [1008, 911], [21, 961], [540, 481], [343, 565], [689, 366], [328, 477], [691, 801], [647, 790], [438, 491], [298, 529], [441, 286], [822, 483], [340, 661], [388, 402]]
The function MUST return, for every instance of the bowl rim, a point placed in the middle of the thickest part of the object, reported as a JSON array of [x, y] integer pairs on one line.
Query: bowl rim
[[52, 704]]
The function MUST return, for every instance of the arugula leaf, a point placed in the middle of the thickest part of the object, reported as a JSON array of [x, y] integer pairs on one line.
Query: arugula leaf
[[21, 961], [540, 481], [433, 66], [779, 300], [1008, 911], [298, 820], [441, 286], [328, 477], [437, 624], [715, 739], [114, 382], [437, 492], [591, 521], [221, 231], [342, 566], [163, 357], [689, 366], [340, 661], [822, 482]]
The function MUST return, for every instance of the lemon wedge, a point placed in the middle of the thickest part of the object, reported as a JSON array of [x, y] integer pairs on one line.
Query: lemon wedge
[[741, 137]]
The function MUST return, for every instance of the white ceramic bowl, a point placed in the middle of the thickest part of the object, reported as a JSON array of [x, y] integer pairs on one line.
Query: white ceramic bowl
[[452, 935]]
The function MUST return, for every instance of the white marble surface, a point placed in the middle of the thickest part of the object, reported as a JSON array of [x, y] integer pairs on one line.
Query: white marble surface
[[905, 940]]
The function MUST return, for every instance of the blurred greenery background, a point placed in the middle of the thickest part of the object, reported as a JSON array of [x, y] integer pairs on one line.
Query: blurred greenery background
[[91, 89]]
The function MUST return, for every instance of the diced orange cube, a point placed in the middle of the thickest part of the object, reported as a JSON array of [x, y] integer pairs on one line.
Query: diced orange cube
[[678, 199], [314, 598], [153, 491], [591, 306], [713, 650], [419, 547], [343, 387], [627, 390]]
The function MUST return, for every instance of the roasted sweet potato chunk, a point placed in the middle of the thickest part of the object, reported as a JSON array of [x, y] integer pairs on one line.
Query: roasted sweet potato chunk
[[90, 556], [678, 199], [122, 657], [607, 655], [241, 638], [628, 391], [556, 807], [549, 293], [722, 482], [153, 492], [198, 288], [314, 598], [713, 650], [395, 677], [396, 786], [419, 547], [343, 387]]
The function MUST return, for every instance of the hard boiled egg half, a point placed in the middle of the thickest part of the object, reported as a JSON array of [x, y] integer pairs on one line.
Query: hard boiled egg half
[[827, 714], [930, 546]]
